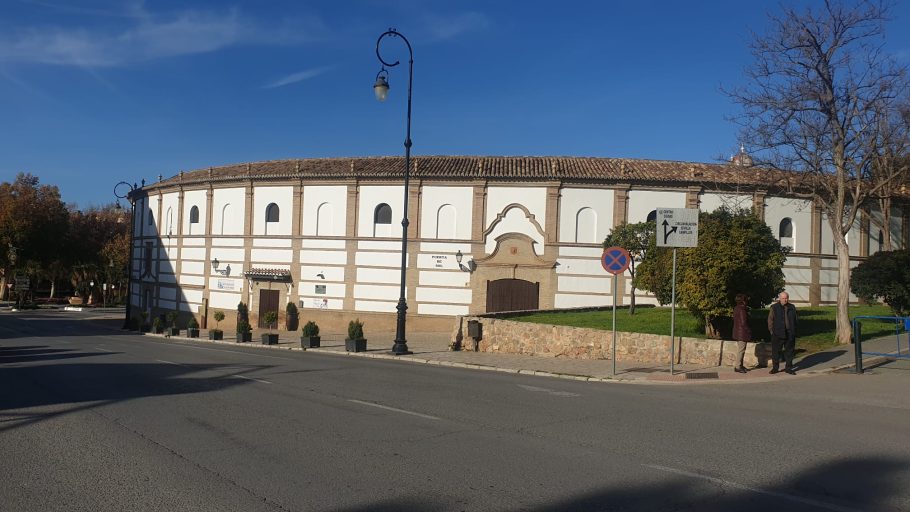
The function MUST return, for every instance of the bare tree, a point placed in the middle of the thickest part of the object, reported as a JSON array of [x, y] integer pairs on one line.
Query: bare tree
[[891, 166], [813, 105]]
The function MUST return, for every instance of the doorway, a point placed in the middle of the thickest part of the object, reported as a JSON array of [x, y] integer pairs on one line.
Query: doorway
[[512, 295], [268, 301]]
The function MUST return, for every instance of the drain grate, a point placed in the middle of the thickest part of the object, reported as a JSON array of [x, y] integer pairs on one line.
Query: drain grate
[[703, 375]]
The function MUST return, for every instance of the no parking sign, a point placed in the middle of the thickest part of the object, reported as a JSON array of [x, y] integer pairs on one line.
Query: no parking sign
[[615, 260]]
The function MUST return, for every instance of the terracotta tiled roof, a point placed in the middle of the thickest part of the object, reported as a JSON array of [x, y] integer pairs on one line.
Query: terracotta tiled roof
[[502, 168], [276, 274]]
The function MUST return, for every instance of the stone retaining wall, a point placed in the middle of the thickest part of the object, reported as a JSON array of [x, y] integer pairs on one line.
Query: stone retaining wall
[[511, 337]]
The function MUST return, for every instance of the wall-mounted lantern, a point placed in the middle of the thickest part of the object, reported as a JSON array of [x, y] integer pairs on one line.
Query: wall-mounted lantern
[[470, 267], [225, 272]]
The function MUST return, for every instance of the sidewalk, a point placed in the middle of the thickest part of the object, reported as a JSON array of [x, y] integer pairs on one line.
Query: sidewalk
[[433, 349]]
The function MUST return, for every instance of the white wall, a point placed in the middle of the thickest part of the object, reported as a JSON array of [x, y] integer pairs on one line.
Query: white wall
[[228, 215], [371, 197], [710, 201], [800, 213], [333, 213], [432, 199], [281, 196], [643, 202], [195, 198], [574, 199]]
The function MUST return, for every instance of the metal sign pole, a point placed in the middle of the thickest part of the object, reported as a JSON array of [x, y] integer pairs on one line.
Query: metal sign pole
[[614, 324], [673, 316]]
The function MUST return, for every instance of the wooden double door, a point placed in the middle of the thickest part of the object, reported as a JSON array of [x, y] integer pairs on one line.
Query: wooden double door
[[268, 301], [512, 295]]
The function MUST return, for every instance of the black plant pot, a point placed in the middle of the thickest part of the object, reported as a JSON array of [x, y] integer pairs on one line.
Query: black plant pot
[[244, 337], [192, 333], [173, 331], [309, 341], [355, 345], [144, 328], [216, 334], [269, 339]]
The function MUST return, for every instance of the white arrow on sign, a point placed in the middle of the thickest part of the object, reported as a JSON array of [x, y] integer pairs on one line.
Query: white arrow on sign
[[677, 227]]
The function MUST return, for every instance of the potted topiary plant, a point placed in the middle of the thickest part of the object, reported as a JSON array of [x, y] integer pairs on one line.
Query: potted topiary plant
[[192, 327], [144, 323], [310, 335], [217, 333], [270, 339], [292, 317], [172, 329], [157, 325], [355, 341], [244, 332]]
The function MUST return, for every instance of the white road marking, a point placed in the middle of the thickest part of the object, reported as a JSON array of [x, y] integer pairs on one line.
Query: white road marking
[[102, 349], [734, 485], [553, 392], [394, 409], [168, 362], [251, 378]]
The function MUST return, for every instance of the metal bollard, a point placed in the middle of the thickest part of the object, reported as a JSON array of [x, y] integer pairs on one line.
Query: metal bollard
[[857, 346]]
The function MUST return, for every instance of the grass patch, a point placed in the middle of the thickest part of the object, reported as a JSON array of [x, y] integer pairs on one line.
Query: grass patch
[[816, 324]]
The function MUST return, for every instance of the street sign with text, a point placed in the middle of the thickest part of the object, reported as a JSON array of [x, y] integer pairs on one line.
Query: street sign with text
[[677, 227]]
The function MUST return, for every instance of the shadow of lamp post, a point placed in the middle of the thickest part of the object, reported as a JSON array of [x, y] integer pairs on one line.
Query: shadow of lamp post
[[381, 89]]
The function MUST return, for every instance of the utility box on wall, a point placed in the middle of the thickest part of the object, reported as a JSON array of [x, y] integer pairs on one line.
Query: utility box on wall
[[475, 329]]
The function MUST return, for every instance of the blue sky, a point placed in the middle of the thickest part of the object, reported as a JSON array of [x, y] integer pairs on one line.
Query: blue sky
[[93, 92]]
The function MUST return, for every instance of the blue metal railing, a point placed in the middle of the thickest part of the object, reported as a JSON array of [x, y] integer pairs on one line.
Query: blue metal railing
[[899, 323]]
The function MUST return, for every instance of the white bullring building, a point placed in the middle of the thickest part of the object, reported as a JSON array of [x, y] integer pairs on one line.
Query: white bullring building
[[325, 234]]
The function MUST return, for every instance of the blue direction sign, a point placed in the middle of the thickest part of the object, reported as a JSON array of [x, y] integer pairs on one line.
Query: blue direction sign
[[615, 260]]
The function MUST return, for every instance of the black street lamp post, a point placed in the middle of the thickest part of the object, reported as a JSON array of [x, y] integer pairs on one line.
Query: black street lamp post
[[381, 88], [124, 190]]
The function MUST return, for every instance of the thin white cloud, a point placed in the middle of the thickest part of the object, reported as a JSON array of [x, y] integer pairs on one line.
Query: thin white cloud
[[447, 27], [300, 76], [147, 37]]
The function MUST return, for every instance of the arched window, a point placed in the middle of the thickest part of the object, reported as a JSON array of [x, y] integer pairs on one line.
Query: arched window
[[445, 221], [652, 217], [785, 232], [271, 213], [169, 222], [382, 220], [151, 218], [786, 228], [225, 213], [194, 215], [586, 226], [382, 214], [324, 219]]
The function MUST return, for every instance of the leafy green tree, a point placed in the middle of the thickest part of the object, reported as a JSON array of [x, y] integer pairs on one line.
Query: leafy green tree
[[634, 238], [736, 253], [884, 276]]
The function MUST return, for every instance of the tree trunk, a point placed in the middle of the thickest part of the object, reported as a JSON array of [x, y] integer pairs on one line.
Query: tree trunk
[[711, 329], [4, 291], [53, 287], [631, 301], [843, 328]]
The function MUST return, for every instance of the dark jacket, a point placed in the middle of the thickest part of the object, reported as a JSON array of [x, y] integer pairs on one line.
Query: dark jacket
[[782, 321], [741, 330]]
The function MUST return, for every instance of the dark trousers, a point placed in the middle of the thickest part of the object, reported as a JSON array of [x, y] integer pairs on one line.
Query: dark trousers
[[789, 345]]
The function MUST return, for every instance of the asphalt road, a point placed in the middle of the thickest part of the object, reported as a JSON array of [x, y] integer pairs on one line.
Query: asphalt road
[[95, 419]]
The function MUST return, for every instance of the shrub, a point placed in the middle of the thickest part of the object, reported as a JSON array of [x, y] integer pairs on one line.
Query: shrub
[[291, 309], [243, 327], [218, 316], [193, 323], [292, 317], [172, 319], [270, 318], [884, 276], [310, 329], [355, 330], [243, 313], [156, 324]]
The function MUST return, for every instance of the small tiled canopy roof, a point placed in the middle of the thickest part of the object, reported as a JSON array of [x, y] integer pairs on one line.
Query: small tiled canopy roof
[[500, 168], [268, 274]]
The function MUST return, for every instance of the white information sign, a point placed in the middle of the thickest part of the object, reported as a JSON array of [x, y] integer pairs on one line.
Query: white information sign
[[677, 227], [225, 284]]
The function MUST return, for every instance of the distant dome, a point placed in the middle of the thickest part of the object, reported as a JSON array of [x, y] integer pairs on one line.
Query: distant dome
[[742, 158]]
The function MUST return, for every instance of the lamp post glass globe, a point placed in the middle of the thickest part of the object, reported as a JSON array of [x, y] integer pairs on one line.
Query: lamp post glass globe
[[381, 88]]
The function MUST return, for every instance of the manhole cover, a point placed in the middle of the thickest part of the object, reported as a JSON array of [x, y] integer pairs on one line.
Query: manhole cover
[[704, 375]]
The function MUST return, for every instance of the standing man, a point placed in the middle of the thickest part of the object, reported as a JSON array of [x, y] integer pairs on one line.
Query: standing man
[[741, 331], [782, 326]]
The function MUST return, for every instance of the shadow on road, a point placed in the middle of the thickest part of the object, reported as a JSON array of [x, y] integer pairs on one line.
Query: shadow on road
[[867, 483]]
